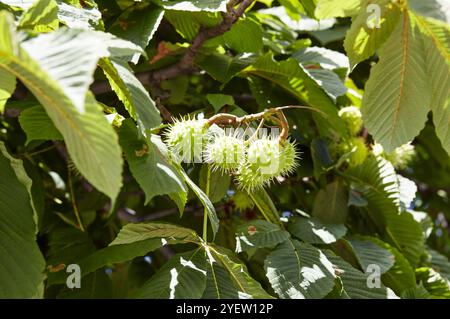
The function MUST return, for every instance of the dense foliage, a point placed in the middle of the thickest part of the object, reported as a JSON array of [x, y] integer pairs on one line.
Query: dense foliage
[[97, 99]]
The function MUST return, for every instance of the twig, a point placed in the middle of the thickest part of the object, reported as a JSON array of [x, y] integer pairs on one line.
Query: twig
[[186, 63], [232, 120], [73, 200]]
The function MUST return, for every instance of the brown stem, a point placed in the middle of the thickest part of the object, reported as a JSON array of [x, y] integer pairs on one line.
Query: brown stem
[[186, 63], [284, 126], [232, 120]]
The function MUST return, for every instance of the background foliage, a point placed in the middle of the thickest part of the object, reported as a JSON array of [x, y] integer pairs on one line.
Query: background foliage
[[87, 89]]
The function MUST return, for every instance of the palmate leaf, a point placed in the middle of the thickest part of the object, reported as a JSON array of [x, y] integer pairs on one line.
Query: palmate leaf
[[377, 181], [7, 87], [41, 64], [396, 101], [209, 207], [298, 271], [326, 58], [195, 5], [43, 13], [218, 283], [229, 278], [355, 281], [313, 231], [436, 37], [433, 282], [188, 24], [149, 166], [22, 4], [439, 262], [418, 292], [244, 36], [396, 271], [265, 205], [259, 234], [368, 253], [436, 9], [22, 264], [337, 8], [297, 8], [330, 204], [222, 67], [72, 16], [96, 285], [133, 240], [140, 26], [79, 17], [400, 277], [363, 40], [142, 231], [330, 62], [219, 183], [290, 76], [132, 93], [37, 125], [108, 256], [182, 277]]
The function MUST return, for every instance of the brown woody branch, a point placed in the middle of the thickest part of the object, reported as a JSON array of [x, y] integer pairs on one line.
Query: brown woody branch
[[186, 63]]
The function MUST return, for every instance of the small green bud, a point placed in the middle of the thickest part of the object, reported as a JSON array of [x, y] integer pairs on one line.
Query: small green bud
[[359, 151], [401, 156], [352, 118], [242, 201]]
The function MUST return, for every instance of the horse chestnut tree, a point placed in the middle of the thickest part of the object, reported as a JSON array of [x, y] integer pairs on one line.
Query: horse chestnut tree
[[224, 149]]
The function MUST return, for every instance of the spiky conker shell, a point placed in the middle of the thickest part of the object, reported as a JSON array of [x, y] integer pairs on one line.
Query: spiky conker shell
[[261, 166], [288, 159], [185, 139], [352, 117], [401, 156], [249, 177], [242, 201], [225, 153], [359, 151], [266, 154]]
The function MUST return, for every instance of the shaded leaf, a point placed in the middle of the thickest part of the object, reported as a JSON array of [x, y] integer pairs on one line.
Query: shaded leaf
[[244, 285], [182, 277], [22, 265], [330, 204], [149, 166], [138, 26], [313, 231], [37, 125], [365, 37], [131, 233], [259, 234], [298, 271], [355, 281]]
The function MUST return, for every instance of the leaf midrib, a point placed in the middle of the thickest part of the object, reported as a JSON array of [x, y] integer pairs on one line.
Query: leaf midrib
[[405, 60], [49, 99]]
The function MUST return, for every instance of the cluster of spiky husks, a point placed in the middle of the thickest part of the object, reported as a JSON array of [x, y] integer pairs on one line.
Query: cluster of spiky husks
[[255, 163]]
